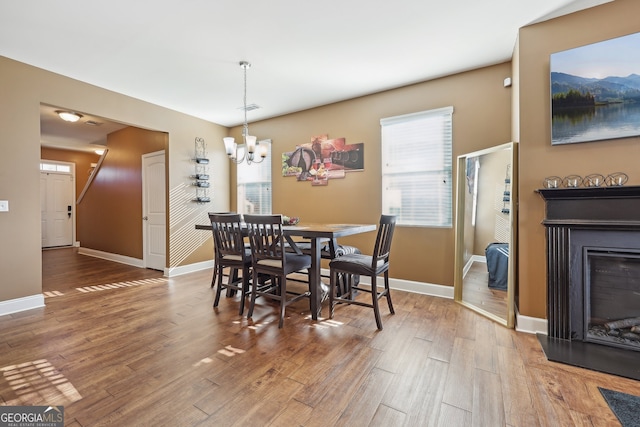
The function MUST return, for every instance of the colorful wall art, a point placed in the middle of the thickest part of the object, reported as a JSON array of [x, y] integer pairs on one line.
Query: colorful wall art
[[323, 159]]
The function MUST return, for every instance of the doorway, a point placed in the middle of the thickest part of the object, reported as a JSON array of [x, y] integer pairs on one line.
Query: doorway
[[154, 210], [57, 195], [75, 143]]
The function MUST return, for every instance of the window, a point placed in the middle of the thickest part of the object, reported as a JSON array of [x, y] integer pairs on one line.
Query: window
[[417, 168], [49, 166], [254, 186]]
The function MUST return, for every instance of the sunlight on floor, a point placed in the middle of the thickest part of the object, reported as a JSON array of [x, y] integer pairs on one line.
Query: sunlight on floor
[[52, 294], [121, 285], [324, 323], [38, 382]]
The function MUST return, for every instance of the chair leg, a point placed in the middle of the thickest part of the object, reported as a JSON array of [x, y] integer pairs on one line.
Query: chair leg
[[215, 270], [233, 277], [215, 275], [254, 294], [386, 287], [348, 287], [338, 288], [374, 298], [219, 287], [332, 291], [245, 288], [283, 298]]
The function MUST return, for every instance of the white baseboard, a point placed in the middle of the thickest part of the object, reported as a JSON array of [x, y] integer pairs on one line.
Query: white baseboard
[[423, 288], [190, 268], [136, 262], [531, 325], [21, 304], [479, 258], [474, 258]]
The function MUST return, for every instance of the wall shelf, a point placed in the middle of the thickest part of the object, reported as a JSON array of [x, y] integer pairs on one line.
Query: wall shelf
[[201, 176]]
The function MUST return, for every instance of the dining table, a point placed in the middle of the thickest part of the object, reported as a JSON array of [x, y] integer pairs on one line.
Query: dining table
[[316, 233]]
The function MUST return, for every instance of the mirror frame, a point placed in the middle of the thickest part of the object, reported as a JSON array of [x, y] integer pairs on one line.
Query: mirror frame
[[459, 264]]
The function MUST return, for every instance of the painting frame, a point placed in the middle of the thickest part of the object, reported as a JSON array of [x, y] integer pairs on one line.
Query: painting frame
[[595, 91], [323, 159]]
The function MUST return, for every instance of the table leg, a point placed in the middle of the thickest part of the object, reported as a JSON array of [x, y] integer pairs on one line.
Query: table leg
[[315, 281]]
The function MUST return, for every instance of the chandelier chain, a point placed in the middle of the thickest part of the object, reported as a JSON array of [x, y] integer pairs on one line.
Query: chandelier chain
[[245, 128]]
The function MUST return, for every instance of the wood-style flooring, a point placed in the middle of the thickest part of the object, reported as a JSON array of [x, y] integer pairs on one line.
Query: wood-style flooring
[[476, 292], [126, 350]]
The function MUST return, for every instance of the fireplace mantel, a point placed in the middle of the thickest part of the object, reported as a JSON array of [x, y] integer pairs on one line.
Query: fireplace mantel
[[572, 212], [585, 207]]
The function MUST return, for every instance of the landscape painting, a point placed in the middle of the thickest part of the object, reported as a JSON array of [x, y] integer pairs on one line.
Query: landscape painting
[[595, 91]]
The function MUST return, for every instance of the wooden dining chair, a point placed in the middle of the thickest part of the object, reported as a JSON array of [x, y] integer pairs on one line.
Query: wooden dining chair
[[270, 258], [215, 267], [351, 265], [329, 249], [231, 252]]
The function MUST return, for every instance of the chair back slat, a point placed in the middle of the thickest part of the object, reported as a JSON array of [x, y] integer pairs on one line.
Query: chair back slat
[[382, 248], [265, 236], [227, 234]]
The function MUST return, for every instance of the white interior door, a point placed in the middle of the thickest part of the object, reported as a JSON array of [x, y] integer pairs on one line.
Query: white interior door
[[154, 210], [56, 202]]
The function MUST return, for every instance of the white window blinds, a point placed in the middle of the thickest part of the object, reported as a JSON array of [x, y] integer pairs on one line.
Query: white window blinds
[[417, 168], [254, 185]]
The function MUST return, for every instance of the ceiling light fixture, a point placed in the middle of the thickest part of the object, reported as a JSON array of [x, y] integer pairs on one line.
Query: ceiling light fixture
[[250, 145], [69, 116], [99, 152]]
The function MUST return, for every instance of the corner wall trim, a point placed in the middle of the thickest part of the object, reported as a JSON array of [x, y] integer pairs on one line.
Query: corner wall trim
[[122, 259], [21, 304], [531, 325], [423, 288], [185, 269]]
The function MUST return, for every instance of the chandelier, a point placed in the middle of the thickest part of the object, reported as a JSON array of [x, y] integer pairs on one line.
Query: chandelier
[[252, 151]]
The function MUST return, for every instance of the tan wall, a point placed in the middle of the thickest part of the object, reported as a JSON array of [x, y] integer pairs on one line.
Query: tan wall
[[491, 223], [481, 119], [112, 216], [23, 88], [538, 158]]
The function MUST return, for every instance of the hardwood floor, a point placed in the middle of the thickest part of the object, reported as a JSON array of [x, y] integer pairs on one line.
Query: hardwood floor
[[63, 269], [475, 291], [155, 353]]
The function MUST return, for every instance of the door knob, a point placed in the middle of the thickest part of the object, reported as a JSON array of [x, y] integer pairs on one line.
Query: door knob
[[146, 218]]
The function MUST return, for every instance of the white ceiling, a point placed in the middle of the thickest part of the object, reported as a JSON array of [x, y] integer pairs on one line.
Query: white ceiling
[[87, 134], [184, 55]]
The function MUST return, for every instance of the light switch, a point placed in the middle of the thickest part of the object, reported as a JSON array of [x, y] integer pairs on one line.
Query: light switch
[[4, 206]]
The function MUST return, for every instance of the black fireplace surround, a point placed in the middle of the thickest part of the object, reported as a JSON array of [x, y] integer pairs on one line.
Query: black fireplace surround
[[593, 278]]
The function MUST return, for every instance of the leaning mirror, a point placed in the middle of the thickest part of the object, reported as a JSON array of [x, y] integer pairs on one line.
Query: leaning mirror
[[486, 232]]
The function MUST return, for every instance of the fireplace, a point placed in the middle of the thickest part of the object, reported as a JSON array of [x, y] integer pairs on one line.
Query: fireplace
[[593, 278]]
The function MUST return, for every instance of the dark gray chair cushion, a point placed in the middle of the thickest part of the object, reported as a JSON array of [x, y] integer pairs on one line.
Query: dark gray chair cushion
[[324, 249]]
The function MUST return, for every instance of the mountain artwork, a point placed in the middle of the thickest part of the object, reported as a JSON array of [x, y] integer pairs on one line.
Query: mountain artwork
[[595, 91]]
